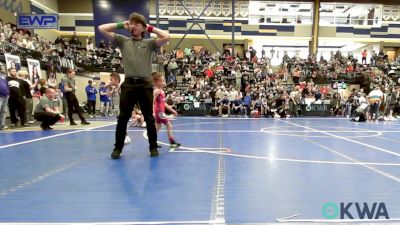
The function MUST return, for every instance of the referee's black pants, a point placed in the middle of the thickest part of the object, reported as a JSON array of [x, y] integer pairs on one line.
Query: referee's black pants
[[135, 91]]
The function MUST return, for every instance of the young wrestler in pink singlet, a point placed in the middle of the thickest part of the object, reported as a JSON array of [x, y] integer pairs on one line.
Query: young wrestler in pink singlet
[[160, 106]]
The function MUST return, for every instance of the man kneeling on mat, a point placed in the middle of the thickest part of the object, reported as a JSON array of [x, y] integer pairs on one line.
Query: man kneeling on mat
[[47, 111]]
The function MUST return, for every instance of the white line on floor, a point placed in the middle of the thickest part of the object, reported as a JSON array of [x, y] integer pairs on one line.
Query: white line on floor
[[346, 139], [53, 136], [198, 150], [125, 223], [265, 131], [376, 170]]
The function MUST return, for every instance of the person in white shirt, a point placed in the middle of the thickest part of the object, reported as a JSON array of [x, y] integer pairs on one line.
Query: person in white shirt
[[173, 65], [248, 55], [188, 74], [2, 37], [232, 95], [198, 61], [7, 30], [363, 101], [220, 93], [29, 44], [362, 110], [89, 45], [19, 42]]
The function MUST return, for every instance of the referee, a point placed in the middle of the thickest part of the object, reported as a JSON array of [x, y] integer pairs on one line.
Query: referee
[[137, 55]]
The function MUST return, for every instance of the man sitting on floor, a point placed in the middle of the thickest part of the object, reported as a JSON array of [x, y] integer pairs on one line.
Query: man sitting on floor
[[47, 111]]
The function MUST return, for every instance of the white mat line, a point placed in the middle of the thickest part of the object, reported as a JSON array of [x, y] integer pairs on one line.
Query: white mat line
[[380, 172], [126, 223], [286, 159], [261, 131], [346, 139], [198, 150], [53, 136], [283, 220]]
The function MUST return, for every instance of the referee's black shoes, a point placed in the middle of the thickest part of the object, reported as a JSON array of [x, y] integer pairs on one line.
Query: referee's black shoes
[[115, 154]]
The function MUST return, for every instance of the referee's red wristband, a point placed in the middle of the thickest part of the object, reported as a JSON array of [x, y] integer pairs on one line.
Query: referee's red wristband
[[150, 28]]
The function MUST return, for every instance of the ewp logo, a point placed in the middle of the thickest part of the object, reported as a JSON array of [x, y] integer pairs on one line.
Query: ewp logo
[[331, 210], [39, 21]]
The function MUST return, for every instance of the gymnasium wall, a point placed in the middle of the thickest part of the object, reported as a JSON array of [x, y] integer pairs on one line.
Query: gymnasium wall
[[387, 30], [223, 27], [8, 7], [82, 6], [202, 41], [48, 5]]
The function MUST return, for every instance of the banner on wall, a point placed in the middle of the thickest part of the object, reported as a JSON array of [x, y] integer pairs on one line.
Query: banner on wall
[[180, 10], [217, 8], [171, 7], [190, 6], [162, 7], [394, 15], [34, 73], [237, 9], [37, 21], [209, 9], [226, 8], [13, 61], [198, 7], [244, 9]]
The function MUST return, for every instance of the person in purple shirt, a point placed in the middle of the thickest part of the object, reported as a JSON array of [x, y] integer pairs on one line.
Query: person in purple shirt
[[4, 94]]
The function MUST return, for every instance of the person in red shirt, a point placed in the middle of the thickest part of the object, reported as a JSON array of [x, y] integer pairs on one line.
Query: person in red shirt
[[324, 90], [364, 57], [209, 72], [229, 59], [302, 85], [220, 68], [179, 54], [349, 68], [254, 59]]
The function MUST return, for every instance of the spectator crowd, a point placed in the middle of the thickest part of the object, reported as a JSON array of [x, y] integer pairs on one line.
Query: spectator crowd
[[253, 87]]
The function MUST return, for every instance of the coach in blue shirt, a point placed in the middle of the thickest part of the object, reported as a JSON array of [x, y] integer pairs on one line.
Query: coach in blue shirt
[[91, 98], [247, 103]]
